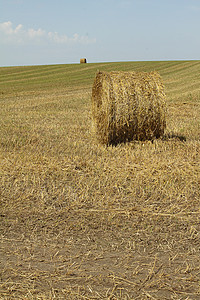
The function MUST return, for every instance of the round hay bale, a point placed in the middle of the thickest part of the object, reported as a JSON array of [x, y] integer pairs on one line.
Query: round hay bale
[[83, 61], [127, 106]]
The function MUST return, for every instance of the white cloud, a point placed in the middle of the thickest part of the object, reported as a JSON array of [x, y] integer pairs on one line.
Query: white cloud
[[55, 37], [32, 33], [19, 35], [64, 39], [6, 28]]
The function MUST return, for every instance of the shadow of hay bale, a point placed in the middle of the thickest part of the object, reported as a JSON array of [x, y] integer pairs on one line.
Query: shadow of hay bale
[[172, 136]]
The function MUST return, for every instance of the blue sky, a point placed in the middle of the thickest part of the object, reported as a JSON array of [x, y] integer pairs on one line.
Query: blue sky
[[59, 32]]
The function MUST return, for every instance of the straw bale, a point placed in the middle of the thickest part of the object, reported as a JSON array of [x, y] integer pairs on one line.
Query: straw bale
[[128, 106], [83, 61]]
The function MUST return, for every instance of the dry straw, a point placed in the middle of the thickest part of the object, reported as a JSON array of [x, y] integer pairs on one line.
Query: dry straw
[[127, 106], [83, 61]]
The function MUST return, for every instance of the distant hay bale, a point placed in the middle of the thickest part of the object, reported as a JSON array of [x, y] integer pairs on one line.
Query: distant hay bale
[[83, 61], [127, 106]]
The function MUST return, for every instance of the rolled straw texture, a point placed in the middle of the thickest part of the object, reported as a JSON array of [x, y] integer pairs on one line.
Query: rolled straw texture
[[128, 106]]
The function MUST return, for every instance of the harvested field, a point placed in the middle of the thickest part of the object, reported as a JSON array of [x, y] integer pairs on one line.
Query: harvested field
[[79, 220]]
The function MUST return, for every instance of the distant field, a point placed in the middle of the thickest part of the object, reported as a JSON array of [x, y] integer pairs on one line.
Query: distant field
[[83, 221], [181, 77]]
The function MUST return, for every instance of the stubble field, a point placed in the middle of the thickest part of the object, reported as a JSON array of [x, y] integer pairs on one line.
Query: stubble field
[[79, 220]]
